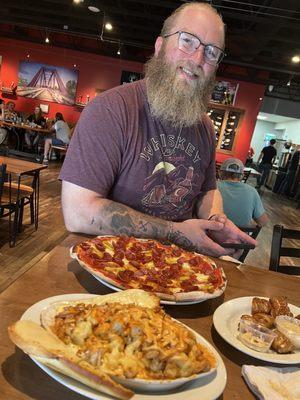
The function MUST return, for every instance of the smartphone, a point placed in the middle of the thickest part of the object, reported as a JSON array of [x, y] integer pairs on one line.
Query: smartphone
[[238, 246]]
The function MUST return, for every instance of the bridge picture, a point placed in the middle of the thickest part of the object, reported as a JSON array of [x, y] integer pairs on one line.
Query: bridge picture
[[47, 82]]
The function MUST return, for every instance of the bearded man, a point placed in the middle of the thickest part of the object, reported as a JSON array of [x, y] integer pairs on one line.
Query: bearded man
[[142, 159]]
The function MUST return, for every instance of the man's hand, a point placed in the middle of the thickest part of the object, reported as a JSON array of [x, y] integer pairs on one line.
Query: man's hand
[[230, 233], [192, 234]]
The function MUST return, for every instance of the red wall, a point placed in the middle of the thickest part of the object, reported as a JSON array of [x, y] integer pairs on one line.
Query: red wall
[[247, 98], [99, 72], [95, 72]]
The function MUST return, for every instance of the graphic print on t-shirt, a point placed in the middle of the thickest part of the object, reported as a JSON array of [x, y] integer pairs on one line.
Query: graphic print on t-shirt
[[169, 188]]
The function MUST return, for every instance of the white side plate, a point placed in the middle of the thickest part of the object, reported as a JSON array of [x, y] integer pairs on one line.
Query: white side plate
[[226, 319]]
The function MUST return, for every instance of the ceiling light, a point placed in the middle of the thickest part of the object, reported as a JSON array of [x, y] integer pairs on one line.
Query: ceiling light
[[47, 40], [260, 98], [28, 55], [94, 9], [119, 50], [288, 83], [296, 59], [108, 26], [78, 1], [74, 65]]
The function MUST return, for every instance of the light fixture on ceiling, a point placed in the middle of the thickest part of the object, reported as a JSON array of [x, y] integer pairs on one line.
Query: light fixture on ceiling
[[78, 1], [296, 59], [262, 117], [260, 98], [288, 83], [94, 9], [119, 49], [28, 56], [270, 88], [47, 40], [108, 26]]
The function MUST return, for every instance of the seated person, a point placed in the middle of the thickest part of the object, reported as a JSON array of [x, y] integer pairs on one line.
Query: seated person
[[62, 133], [241, 201], [3, 131], [31, 137], [10, 111]]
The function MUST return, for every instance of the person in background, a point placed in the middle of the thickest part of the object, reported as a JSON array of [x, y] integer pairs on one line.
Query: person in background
[[10, 112], [32, 138], [3, 131], [142, 159], [241, 201], [62, 136], [2, 108], [265, 162], [250, 155], [286, 185]]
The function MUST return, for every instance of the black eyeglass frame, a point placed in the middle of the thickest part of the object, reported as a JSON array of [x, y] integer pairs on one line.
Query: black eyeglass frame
[[223, 54]]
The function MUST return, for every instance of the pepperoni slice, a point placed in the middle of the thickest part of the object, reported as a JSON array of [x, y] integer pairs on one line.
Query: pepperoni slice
[[106, 257], [147, 287], [125, 275], [85, 246]]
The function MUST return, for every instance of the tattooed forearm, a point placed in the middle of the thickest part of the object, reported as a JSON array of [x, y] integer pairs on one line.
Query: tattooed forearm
[[178, 238], [118, 219]]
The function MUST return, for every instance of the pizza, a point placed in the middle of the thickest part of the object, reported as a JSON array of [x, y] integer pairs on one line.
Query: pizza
[[166, 270]]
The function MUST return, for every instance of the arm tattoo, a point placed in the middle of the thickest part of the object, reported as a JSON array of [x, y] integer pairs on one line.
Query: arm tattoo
[[117, 219], [178, 238]]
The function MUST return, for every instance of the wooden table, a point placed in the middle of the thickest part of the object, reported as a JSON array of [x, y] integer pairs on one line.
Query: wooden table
[[27, 127], [20, 168], [14, 127], [57, 273]]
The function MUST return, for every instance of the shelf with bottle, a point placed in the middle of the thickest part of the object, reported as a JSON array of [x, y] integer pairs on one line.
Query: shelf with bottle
[[226, 120], [11, 90], [216, 117], [80, 103]]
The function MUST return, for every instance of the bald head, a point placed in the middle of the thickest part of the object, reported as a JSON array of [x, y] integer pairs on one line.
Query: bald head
[[191, 8]]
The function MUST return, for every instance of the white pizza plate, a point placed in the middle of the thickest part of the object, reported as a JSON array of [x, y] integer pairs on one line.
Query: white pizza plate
[[167, 302], [208, 387], [226, 319]]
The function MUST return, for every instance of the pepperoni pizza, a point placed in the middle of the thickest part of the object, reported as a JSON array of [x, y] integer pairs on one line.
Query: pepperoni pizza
[[166, 270]]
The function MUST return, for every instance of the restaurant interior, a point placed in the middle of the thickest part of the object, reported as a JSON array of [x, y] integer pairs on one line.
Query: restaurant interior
[[56, 56]]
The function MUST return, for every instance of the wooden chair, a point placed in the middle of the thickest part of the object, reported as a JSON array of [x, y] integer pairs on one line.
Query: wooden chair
[[218, 166], [27, 192], [246, 175], [278, 250], [10, 201], [252, 231]]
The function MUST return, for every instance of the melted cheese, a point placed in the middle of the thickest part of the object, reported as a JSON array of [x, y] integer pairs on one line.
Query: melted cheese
[[132, 341]]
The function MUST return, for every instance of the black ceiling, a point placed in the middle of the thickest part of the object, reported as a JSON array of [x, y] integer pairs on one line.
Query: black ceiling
[[261, 34]]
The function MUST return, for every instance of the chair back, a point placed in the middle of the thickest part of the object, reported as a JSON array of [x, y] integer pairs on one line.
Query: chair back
[[2, 178], [252, 231], [218, 166], [246, 175], [279, 250]]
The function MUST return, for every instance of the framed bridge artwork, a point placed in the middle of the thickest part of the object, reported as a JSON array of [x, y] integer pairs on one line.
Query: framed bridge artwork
[[47, 82]]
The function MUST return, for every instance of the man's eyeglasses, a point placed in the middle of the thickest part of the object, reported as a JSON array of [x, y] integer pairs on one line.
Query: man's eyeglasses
[[189, 43]]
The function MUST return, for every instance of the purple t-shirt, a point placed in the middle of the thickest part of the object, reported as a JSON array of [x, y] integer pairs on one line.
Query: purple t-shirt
[[123, 153]]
